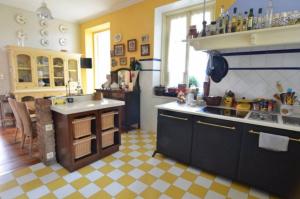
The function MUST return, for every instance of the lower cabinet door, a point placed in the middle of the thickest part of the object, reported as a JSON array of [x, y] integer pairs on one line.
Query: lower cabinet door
[[275, 172], [216, 146], [174, 135]]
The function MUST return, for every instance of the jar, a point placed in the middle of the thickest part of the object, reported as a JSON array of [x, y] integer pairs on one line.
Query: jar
[[213, 28]]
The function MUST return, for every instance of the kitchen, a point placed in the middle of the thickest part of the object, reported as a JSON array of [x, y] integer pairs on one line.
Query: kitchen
[[235, 136]]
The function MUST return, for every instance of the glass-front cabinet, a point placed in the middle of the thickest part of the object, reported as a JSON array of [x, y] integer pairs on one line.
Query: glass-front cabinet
[[59, 71], [24, 72], [73, 70], [43, 71]]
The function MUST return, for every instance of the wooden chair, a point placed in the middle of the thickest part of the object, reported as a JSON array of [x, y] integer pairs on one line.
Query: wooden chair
[[29, 130], [19, 125]]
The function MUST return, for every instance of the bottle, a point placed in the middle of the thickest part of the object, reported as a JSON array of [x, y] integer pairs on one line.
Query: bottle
[[234, 21], [245, 21], [250, 20], [227, 20], [222, 21], [259, 22], [239, 26], [269, 15]]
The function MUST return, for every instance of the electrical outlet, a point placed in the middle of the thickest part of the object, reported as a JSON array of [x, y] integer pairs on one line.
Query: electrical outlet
[[49, 127], [50, 155], [2, 76]]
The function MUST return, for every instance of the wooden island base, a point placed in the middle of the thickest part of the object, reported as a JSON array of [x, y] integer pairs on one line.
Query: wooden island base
[[80, 136]]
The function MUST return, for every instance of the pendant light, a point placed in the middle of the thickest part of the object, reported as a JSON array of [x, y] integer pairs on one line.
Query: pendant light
[[43, 12], [204, 23]]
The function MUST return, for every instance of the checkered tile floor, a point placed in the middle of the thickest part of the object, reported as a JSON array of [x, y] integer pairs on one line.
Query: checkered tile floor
[[129, 173]]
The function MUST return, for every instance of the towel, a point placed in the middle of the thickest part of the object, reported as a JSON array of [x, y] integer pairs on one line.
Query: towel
[[273, 142]]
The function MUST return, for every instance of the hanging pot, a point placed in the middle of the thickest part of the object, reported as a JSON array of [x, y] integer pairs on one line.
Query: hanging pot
[[220, 68]]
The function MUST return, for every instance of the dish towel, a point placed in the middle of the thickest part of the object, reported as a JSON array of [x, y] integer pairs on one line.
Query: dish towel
[[273, 142]]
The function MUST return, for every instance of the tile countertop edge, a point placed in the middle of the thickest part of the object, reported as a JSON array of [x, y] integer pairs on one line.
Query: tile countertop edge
[[174, 106], [90, 105]]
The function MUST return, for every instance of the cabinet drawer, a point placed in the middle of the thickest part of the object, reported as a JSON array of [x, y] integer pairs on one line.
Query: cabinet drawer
[[276, 172]]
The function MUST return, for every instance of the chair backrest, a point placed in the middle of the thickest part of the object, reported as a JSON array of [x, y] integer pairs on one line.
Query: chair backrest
[[13, 105], [25, 118]]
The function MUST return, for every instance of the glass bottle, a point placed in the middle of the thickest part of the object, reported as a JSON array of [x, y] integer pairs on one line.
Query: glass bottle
[[234, 20], [250, 20], [222, 21], [259, 24], [227, 21], [245, 21], [239, 26], [269, 15]]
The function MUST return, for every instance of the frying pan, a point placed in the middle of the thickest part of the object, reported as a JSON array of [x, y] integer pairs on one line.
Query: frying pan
[[219, 68]]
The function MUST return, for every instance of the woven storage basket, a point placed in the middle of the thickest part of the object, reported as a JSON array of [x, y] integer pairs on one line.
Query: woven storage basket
[[108, 138], [108, 120], [82, 127], [82, 147]]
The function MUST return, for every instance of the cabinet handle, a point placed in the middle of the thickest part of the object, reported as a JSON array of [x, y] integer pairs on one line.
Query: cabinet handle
[[258, 133], [173, 117], [216, 125]]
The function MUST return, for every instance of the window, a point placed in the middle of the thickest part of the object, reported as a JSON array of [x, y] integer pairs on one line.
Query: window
[[182, 62], [101, 56]]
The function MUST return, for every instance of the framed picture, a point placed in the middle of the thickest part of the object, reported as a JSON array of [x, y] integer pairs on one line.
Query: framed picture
[[145, 50], [132, 59], [123, 61], [131, 45], [114, 62], [145, 38], [119, 50]]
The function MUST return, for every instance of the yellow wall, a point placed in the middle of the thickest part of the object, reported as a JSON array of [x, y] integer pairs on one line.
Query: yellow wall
[[227, 4], [132, 22]]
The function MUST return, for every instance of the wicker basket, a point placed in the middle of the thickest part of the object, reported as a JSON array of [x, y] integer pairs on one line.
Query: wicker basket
[[82, 147], [108, 138], [108, 120], [82, 127]]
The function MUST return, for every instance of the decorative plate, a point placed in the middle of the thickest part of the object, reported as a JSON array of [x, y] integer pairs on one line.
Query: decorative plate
[[62, 28], [62, 41], [20, 19], [44, 23], [117, 37], [44, 42], [43, 32]]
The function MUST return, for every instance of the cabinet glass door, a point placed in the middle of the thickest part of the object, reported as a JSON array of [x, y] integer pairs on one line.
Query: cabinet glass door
[[24, 69], [73, 70], [43, 71], [58, 72]]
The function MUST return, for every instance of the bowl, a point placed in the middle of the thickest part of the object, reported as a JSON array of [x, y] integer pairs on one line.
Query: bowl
[[213, 100]]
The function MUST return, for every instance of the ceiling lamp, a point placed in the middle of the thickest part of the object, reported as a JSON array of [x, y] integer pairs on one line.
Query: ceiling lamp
[[43, 12]]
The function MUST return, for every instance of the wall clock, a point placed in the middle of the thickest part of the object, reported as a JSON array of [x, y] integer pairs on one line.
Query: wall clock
[[117, 37]]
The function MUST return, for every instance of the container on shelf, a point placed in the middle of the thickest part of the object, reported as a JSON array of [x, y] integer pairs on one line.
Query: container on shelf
[[108, 137], [108, 120], [82, 126], [82, 147]]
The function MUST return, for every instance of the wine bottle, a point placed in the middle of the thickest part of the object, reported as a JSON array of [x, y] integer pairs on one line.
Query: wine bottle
[[245, 21], [250, 20], [239, 26], [259, 20], [269, 15], [234, 21]]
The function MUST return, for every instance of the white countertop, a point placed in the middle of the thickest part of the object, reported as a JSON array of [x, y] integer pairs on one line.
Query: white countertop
[[174, 106], [87, 105]]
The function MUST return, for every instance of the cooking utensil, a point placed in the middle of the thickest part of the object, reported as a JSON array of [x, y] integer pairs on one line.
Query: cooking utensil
[[220, 70]]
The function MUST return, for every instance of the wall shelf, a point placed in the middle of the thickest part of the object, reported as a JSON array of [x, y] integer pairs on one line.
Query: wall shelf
[[254, 38]]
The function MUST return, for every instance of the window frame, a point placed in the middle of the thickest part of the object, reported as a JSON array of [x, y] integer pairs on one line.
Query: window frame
[[210, 7]]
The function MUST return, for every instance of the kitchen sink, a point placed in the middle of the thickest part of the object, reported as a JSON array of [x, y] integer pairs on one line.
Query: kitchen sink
[[266, 117], [291, 120]]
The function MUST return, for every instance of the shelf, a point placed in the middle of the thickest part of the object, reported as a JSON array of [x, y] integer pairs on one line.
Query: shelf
[[42, 66], [58, 77], [44, 77], [75, 71], [23, 68], [58, 66], [254, 38]]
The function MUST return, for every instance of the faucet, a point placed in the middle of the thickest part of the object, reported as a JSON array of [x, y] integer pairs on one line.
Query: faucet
[[68, 89]]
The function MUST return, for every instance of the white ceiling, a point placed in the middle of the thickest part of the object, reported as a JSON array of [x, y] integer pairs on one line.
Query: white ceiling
[[73, 10]]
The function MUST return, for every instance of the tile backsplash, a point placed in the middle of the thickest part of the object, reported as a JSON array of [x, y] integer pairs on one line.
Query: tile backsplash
[[260, 83]]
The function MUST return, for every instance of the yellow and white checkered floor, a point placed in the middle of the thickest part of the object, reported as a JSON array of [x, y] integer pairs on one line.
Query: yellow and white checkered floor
[[129, 173]]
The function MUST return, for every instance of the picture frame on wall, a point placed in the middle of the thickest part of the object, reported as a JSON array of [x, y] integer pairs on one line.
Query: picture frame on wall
[[132, 45], [112, 53], [114, 62], [145, 49], [119, 50], [123, 61], [145, 38]]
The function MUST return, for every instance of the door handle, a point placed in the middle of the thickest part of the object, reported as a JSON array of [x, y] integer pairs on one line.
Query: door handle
[[173, 117], [216, 125]]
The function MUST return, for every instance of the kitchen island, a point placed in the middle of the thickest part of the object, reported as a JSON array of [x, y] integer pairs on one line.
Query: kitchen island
[[86, 131], [227, 145]]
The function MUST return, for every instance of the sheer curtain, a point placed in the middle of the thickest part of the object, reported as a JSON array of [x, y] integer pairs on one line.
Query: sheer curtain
[[102, 57], [183, 62]]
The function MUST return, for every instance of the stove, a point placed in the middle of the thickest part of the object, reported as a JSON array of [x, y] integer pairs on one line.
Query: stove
[[266, 117], [222, 111]]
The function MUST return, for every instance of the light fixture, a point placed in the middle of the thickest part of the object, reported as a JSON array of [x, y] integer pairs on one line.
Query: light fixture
[[43, 12]]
